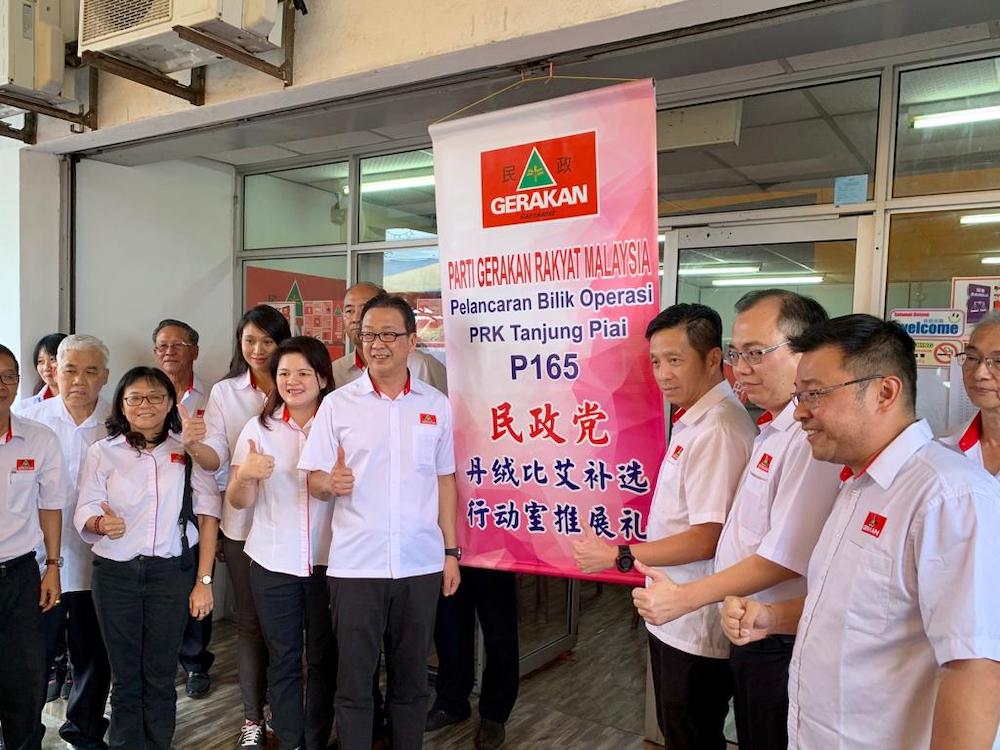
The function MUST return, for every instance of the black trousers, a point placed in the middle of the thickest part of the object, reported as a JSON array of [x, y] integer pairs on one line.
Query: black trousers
[[251, 652], [760, 678], [75, 616], [22, 654], [366, 610], [492, 595], [287, 605], [194, 655], [692, 697], [142, 607]]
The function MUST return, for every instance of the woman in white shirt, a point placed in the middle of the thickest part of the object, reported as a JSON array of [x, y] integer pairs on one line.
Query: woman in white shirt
[[211, 440], [289, 544], [135, 509], [45, 365]]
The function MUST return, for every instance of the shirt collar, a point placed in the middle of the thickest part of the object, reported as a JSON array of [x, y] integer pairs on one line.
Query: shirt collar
[[412, 384], [47, 393], [91, 420], [357, 360], [10, 434], [886, 465], [246, 380], [704, 404], [784, 419], [972, 435]]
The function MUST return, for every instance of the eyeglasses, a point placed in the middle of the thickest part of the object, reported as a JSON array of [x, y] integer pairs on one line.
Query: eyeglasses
[[386, 337], [750, 356], [176, 346], [811, 398], [971, 361], [154, 399], [9, 379]]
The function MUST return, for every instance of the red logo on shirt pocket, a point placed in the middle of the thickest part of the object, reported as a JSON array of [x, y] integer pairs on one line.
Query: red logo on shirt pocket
[[874, 524], [176, 458], [677, 452], [24, 464], [428, 419], [765, 462]]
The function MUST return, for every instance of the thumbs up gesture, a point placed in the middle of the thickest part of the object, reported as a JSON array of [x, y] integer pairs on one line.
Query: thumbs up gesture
[[257, 466], [193, 429], [661, 600], [112, 524], [341, 476], [591, 554]]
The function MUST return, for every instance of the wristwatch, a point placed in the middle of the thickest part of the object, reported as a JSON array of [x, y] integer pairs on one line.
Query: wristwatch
[[455, 552], [206, 579], [625, 560], [57, 561]]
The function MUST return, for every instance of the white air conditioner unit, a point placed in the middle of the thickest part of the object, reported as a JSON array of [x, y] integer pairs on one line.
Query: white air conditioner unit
[[141, 31], [33, 47]]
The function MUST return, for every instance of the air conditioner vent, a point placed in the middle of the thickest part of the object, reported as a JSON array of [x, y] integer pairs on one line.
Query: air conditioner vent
[[104, 18]]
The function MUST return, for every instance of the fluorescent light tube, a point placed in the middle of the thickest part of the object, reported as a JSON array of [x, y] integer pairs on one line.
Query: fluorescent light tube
[[956, 117], [769, 281], [979, 219], [401, 183], [993, 260], [718, 270]]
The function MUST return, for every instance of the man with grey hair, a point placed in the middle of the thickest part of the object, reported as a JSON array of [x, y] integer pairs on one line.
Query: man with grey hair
[[77, 416]]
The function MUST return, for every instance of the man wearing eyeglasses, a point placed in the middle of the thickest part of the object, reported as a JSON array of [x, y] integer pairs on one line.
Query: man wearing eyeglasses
[[979, 439], [381, 449], [175, 346], [779, 509], [898, 638]]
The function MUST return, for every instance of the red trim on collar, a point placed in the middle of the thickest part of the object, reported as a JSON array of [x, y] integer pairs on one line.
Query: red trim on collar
[[847, 473], [285, 414], [253, 381], [764, 418], [48, 393], [406, 386], [358, 362], [972, 435], [10, 431], [675, 417]]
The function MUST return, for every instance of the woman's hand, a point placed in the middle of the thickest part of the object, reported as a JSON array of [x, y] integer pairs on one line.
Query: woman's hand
[[256, 466], [201, 600], [111, 524]]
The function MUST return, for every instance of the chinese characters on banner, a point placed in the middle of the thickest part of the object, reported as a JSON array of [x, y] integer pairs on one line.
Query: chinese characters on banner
[[549, 263]]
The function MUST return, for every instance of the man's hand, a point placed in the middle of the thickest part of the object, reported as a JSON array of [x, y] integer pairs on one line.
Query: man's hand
[[256, 466], [341, 477], [51, 588], [112, 524], [661, 600], [745, 620], [593, 555], [193, 430], [452, 576], [200, 601]]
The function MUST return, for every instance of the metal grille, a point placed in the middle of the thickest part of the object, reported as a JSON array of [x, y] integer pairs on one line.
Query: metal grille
[[104, 18]]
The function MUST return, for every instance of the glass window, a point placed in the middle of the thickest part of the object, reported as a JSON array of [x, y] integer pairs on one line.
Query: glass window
[[397, 197], [296, 208], [948, 129], [308, 291], [782, 149]]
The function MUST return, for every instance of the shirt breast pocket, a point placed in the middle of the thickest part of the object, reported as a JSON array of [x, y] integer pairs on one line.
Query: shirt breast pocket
[[19, 492], [868, 602], [754, 513], [425, 443]]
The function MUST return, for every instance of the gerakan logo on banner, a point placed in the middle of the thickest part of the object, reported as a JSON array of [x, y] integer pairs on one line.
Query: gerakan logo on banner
[[540, 181]]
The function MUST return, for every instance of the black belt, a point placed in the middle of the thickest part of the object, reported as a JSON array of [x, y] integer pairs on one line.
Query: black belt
[[15, 563]]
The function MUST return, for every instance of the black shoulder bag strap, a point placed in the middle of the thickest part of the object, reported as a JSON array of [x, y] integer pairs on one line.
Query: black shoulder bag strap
[[187, 515]]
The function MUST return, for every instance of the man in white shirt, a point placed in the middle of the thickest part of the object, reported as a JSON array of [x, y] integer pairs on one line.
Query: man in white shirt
[[899, 636], [77, 416], [710, 441], [33, 494], [381, 449], [778, 511], [348, 368], [175, 346]]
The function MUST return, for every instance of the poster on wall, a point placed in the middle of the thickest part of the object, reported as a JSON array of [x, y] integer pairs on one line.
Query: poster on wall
[[937, 333], [549, 266], [975, 295]]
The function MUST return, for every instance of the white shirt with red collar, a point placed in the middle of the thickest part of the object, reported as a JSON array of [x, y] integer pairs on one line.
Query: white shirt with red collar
[[146, 488], [32, 477], [291, 531], [194, 397], [44, 394], [967, 439], [421, 365], [901, 582], [783, 500], [74, 440], [232, 403], [397, 448], [709, 447]]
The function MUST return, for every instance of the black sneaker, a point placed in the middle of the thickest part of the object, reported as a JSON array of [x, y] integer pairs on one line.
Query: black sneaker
[[490, 735], [54, 688], [198, 684], [438, 718], [251, 736]]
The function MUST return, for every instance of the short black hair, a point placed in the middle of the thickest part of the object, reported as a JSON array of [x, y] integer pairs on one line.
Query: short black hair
[[4, 351], [171, 323], [48, 344], [117, 422], [267, 319], [870, 346], [318, 357], [796, 312], [394, 302], [702, 324]]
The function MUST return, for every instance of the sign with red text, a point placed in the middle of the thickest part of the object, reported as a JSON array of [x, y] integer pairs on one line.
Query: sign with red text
[[549, 264]]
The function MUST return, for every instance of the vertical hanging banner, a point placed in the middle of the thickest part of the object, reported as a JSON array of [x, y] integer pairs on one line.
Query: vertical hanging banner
[[549, 265]]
